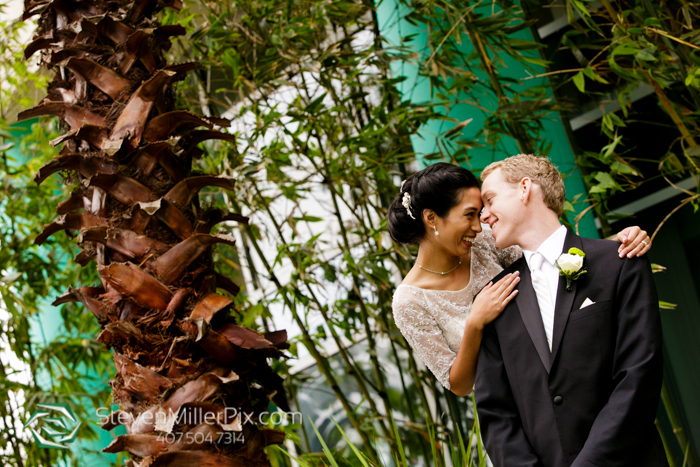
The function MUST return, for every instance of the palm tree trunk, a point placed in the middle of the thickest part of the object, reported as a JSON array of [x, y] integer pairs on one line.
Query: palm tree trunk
[[191, 383]]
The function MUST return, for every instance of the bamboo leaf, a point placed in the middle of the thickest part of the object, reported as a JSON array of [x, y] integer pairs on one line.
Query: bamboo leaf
[[399, 444], [579, 81], [622, 167], [605, 183], [326, 451], [457, 128], [646, 55], [301, 462], [588, 71], [357, 452]]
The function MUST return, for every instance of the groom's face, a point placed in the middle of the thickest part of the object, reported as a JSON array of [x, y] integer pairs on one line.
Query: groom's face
[[503, 208]]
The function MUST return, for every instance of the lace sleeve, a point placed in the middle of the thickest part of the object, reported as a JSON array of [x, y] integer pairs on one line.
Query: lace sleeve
[[423, 333], [506, 256]]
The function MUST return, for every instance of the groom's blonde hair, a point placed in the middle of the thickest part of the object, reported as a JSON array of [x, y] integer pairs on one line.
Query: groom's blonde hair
[[538, 169]]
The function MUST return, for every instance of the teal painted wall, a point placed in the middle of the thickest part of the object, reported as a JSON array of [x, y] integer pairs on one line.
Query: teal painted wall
[[415, 88]]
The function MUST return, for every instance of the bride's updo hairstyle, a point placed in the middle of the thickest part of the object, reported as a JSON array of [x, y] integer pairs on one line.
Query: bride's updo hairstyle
[[436, 187]]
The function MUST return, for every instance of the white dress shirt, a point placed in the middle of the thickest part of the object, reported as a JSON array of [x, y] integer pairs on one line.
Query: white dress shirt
[[550, 249]]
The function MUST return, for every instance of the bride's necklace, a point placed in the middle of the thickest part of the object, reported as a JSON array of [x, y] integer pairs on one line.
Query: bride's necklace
[[442, 273]]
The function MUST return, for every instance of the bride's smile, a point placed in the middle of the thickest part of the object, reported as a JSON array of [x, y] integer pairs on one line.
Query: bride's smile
[[469, 240]]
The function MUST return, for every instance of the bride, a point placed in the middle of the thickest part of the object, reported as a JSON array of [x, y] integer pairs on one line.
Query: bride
[[438, 209]]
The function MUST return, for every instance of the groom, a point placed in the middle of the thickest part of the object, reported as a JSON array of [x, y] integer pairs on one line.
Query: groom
[[566, 377]]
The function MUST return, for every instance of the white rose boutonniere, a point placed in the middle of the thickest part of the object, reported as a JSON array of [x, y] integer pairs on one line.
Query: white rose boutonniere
[[571, 265]]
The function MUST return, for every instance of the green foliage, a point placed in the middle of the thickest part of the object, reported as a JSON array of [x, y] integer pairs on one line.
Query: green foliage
[[461, 453], [39, 362], [319, 114], [477, 74], [323, 139], [48, 364], [639, 43]]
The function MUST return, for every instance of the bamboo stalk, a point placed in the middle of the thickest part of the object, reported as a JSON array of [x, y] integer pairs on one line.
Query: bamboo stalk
[[683, 53], [383, 320], [668, 106], [456, 411], [303, 150], [676, 423], [354, 370], [364, 315], [293, 395], [9, 422], [611, 11], [439, 414], [419, 383], [323, 366], [669, 455], [409, 406]]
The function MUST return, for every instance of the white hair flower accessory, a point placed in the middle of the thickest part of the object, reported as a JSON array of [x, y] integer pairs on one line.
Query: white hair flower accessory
[[407, 204]]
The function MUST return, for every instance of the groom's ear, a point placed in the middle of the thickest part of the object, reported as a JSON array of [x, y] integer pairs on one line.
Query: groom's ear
[[525, 188]]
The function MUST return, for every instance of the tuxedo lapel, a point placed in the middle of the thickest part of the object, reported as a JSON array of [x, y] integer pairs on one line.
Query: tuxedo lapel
[[526, 300], [565, 298]]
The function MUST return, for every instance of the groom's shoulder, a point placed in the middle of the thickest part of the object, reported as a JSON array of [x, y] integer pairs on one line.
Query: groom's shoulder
[[600, 247], [601, 252], [605, 254], [515, 266], [610, 249]]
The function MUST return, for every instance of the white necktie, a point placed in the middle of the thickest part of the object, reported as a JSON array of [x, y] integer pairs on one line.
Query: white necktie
[[544, 298]]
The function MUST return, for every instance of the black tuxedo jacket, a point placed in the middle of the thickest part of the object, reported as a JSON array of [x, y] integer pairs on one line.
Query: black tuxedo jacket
[[592, 400]]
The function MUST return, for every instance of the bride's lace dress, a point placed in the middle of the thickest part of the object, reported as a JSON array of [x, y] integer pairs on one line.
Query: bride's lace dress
[[432, 321]]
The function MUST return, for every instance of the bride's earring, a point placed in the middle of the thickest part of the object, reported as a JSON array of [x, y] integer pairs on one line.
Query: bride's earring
[[436, 232]]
